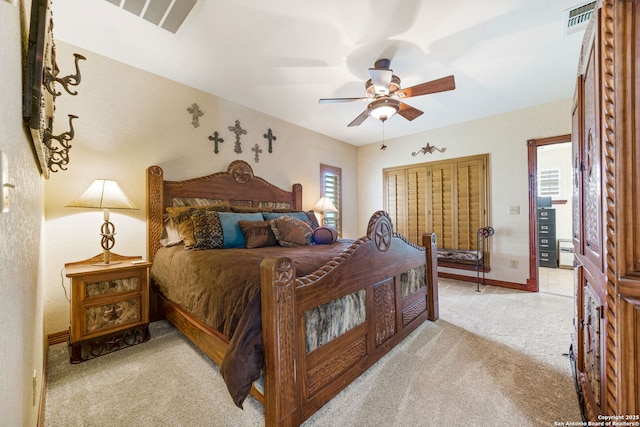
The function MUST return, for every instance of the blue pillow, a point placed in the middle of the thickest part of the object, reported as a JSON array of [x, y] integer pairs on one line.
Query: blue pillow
[[232, 234], [275, 215]]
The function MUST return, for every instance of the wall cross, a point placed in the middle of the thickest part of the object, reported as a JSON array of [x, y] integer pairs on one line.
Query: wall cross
[[196, 113], [237, 129], [216, 140], [257, 150], [271, 137]]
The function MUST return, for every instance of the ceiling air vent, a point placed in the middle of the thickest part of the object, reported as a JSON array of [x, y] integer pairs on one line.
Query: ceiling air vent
[[577, 17], [167, 14]]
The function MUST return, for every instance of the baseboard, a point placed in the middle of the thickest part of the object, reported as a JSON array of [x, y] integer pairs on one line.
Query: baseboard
[[43, 388], [493, 282], [58, 337]]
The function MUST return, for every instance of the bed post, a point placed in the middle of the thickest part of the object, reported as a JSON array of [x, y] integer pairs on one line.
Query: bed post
[[155, 209], [279, 337], [431, 246]]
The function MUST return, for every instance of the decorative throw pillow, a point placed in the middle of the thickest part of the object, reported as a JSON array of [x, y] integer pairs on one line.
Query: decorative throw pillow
[[233, 237], [313, 221], [325, 235], [302, 216], [207, 230], [257, 234], [290, 231], [181, 218], [170, 235]]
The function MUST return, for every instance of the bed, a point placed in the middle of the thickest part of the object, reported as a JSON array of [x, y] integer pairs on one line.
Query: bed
[[392, 281]]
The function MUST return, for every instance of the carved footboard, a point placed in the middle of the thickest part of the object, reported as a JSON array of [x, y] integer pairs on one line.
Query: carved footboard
[[378, 291]]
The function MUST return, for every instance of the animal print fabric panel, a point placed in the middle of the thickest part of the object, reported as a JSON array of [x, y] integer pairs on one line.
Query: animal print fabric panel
[[327, 322], [412, 280]]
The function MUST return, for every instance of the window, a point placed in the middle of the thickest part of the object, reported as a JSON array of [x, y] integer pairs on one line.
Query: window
[[549, 182], [331, 187]]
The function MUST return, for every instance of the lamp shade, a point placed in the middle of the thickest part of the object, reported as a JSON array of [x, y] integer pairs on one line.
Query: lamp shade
[[325, 205], [103, 194]]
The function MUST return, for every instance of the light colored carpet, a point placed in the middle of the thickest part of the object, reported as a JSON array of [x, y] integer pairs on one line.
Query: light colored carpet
[[498, 357]]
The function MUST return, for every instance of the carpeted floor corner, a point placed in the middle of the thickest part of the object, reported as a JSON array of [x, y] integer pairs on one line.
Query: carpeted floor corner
[[497, 357]]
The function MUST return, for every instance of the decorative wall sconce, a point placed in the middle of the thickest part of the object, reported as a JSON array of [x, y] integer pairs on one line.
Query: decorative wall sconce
[[429, 149]]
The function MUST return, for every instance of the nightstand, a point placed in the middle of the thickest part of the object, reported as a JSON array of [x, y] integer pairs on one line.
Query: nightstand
[[109, 305]]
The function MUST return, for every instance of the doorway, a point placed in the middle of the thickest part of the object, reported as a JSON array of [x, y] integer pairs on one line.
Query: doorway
[[550, 196]]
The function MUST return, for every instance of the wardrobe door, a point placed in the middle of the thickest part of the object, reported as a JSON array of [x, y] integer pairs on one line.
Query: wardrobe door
[[591, 164]]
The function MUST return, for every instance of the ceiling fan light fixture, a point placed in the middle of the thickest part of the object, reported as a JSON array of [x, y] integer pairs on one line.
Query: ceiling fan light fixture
[[383, 108]]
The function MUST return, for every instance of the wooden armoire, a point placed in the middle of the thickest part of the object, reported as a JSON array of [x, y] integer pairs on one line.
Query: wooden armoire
[[606, 215]]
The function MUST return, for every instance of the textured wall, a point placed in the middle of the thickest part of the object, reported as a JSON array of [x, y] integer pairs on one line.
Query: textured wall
[[129, 120], [21, 342]]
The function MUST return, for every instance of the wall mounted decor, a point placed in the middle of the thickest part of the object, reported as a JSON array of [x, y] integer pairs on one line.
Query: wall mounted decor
[[51, 77], [429, 149], [271, 137], [196, 113], [39, 93], [256, 149], [216, 140], [59, 153], [237, 129]]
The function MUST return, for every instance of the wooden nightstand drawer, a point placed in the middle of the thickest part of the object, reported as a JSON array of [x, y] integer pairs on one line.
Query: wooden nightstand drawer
[[109, 316], [109, 306], [95, 289]]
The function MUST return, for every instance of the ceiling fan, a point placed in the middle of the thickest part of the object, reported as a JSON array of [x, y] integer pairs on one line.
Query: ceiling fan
[[385, 95]]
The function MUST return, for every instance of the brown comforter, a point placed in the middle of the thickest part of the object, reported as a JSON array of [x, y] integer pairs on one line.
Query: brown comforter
[[217, 285]]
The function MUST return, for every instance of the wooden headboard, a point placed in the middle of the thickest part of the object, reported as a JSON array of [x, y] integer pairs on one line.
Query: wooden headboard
[[238, 186]]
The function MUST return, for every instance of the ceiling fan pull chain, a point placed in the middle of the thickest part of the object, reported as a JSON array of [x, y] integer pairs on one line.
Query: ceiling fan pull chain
[[383, 146]]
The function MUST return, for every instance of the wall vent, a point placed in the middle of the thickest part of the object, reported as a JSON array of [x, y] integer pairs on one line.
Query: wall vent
[[166, 14], [576, 18]]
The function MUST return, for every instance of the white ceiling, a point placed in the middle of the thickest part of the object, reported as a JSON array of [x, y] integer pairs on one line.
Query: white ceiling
[[280, 56]]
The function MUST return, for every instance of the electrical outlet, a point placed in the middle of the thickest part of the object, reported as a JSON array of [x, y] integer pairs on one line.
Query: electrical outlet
[[514, 210], [513, 263]]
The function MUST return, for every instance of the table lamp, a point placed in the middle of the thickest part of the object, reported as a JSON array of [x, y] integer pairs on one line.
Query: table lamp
[[324, 205], [104, 194]]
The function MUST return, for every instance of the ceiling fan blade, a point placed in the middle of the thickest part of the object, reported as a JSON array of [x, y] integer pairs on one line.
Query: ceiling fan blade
[[408, 112], [381, 80], [336, 100], [434, 86], [361, 118]]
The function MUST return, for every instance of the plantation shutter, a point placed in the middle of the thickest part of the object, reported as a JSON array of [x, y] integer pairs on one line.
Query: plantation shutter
[[416, 204], [331, 185], [442, 207], [446, 197], [470, 207], [395, 199]]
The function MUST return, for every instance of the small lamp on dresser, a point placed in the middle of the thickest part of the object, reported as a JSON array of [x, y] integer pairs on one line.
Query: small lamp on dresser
[[323, 206], [104, 194]]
